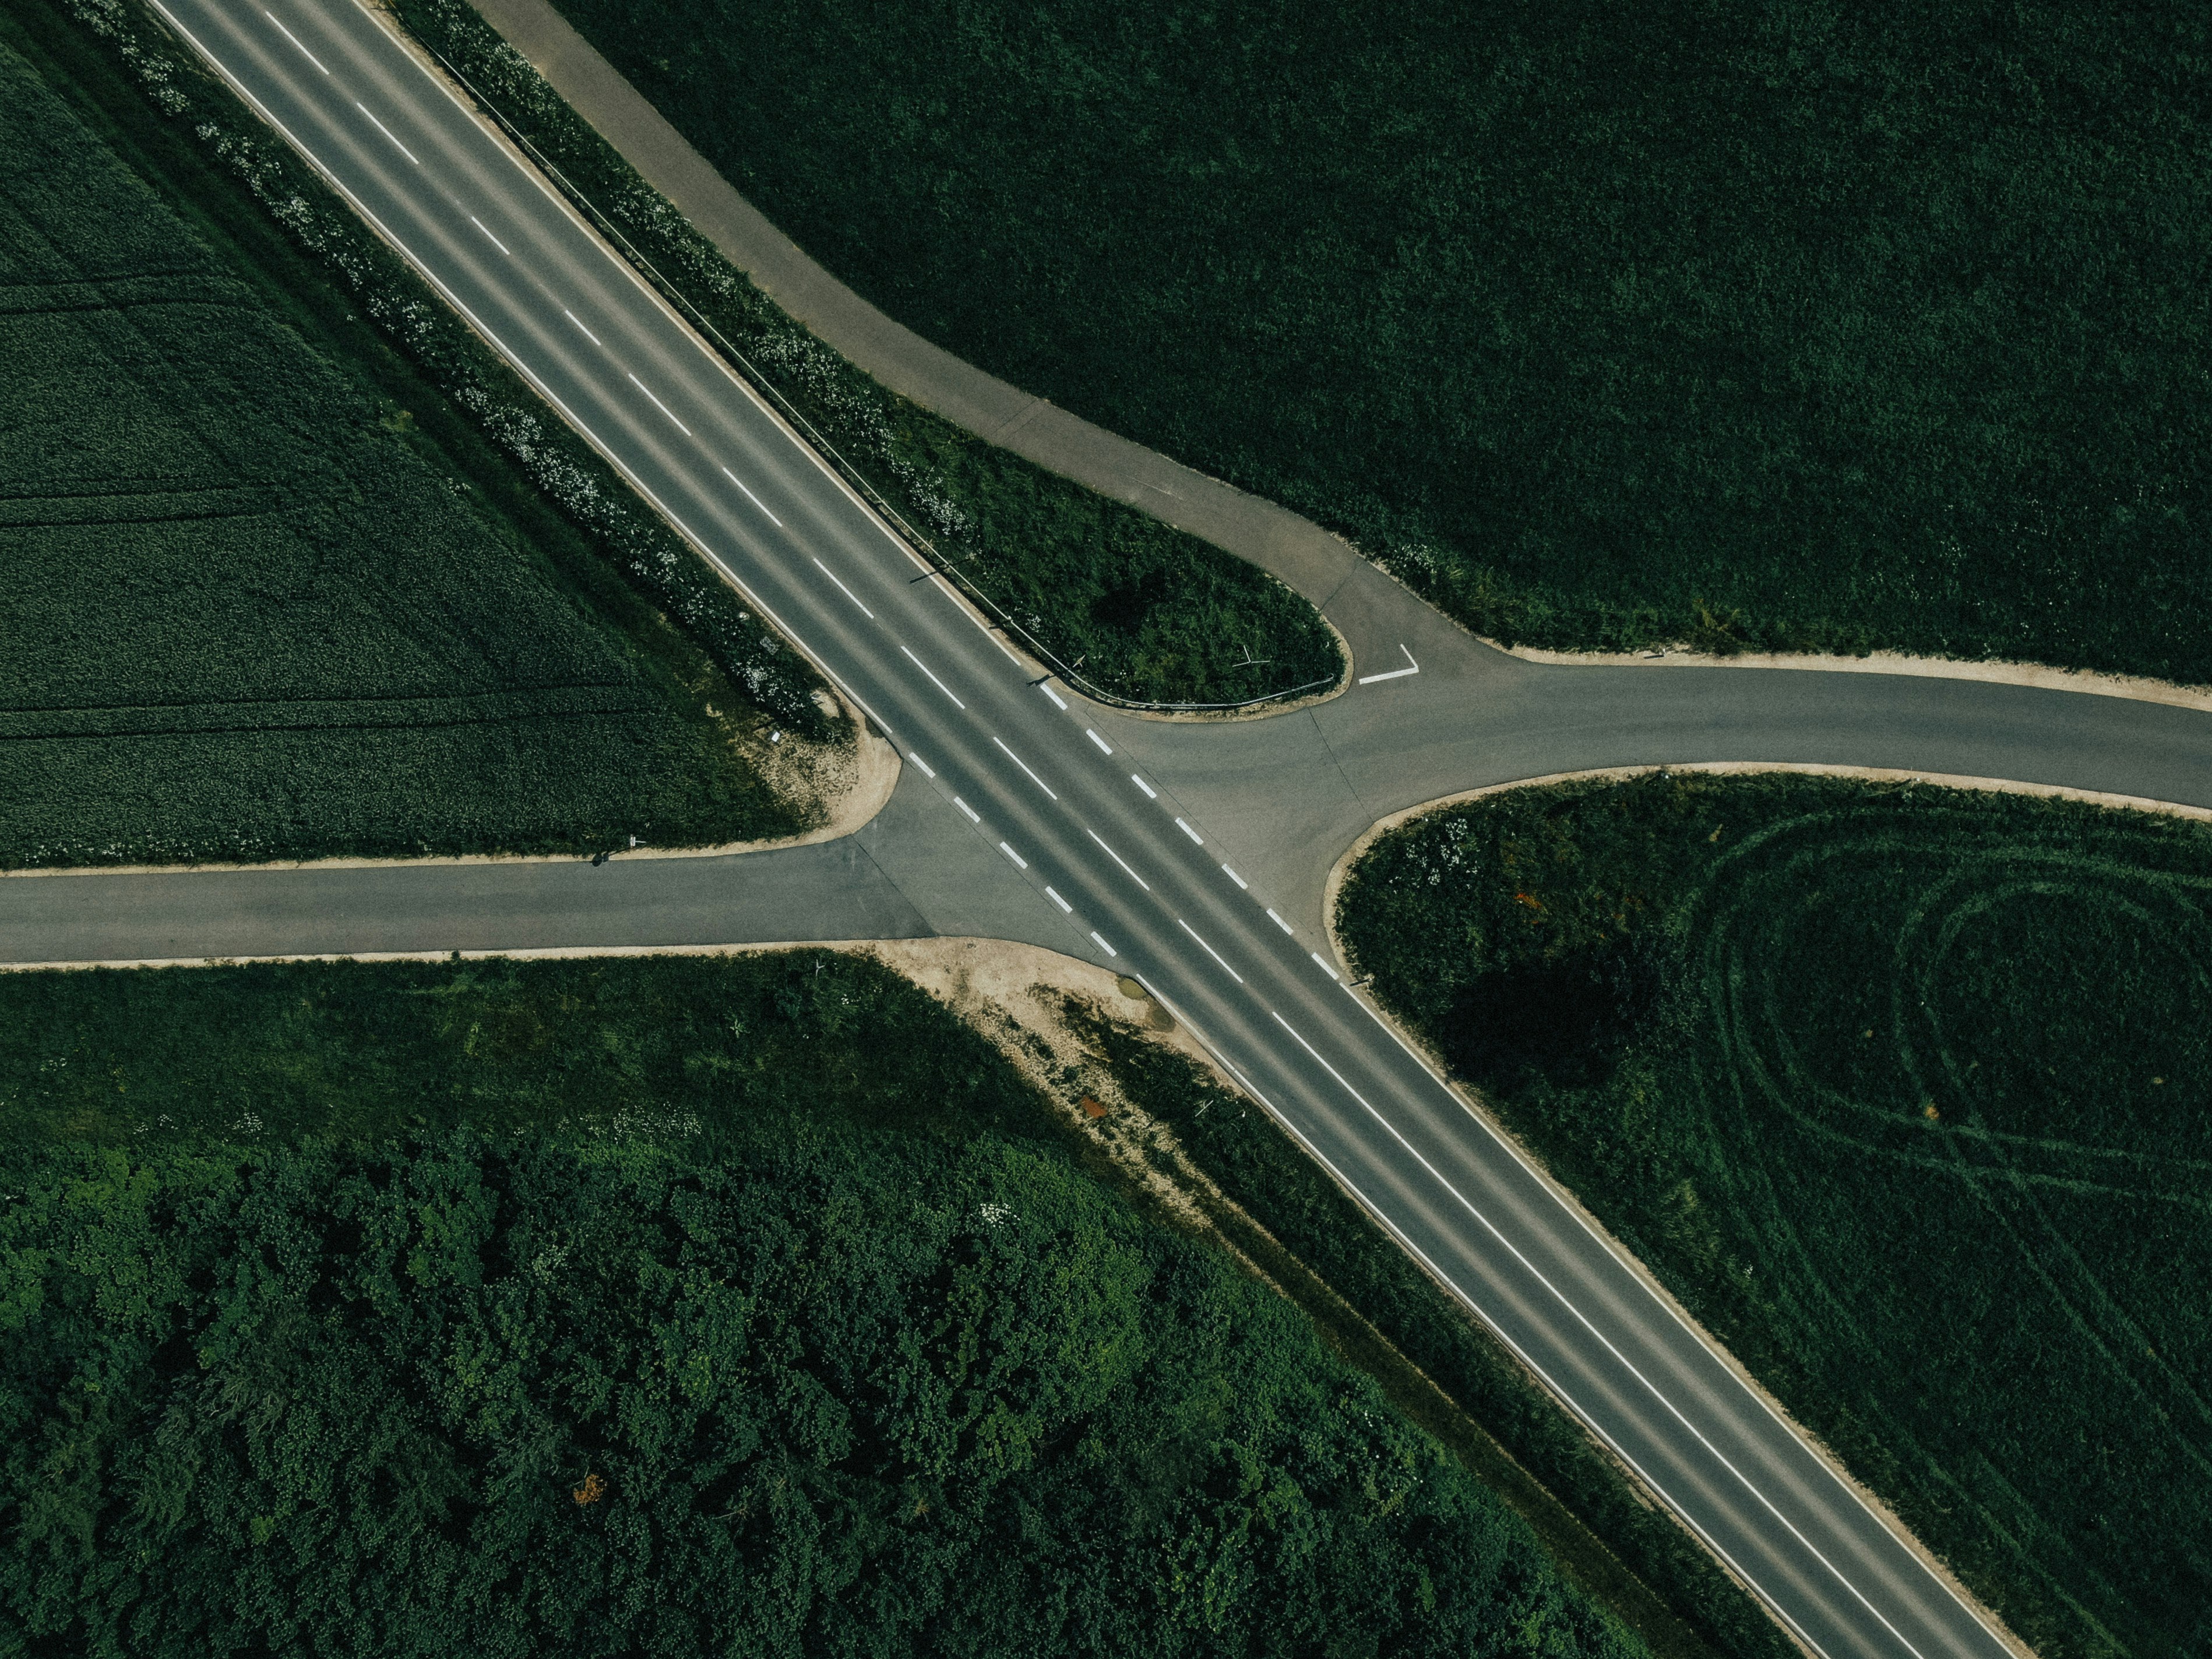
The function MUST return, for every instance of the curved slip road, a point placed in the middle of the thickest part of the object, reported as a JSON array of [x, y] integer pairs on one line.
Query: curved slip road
[[1189, 855]]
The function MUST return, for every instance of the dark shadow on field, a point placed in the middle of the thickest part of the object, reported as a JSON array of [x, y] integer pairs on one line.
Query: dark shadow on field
[[1565, 1021]]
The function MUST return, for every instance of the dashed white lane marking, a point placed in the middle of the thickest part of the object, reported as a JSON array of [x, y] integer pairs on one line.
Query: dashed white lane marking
[[777, 522], [1042, 687], [581, 329], [1395, 673], [1020, 863], [933, 680], [922, 763], [1101, 941], [1242, 885], [295, 39], [1209, 951], [1324, 966], [1119, 860], [1581, 1319], [1096, 739], [660, 405], [1278, 921], [966, 808], [1103, 945], [1188, 831], [488, 237], [1150, 793], [832, 575], [386, 131], [1024, 764], [1065, 909]]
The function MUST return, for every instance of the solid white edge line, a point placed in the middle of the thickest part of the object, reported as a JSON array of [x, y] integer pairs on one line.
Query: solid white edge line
[[1019, 762], [387, 132], [544, 390], [587, 333], [1096, 739], [1042, 687], [1280, 923], [658, 405], [966, 808], [1103, 944], [1188, 831], [1614, 1253], [933, 680], [772, 519], [922, 763], [1065, 909], [1242, 885], [1117, 858], [1210, 951], [1619, 1357], [1559, 1392], [1020, 863], [488, 237], [1150, 793], [1324, 966], [293, 39], [1562, 1395], [832, 575], [645, 490], [963, 607]]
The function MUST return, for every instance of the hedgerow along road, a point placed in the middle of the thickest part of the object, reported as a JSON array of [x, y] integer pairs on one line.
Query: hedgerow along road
[[1118, 837]]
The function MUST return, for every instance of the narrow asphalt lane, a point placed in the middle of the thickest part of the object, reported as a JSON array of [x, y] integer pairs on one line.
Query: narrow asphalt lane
[[1111, 838]]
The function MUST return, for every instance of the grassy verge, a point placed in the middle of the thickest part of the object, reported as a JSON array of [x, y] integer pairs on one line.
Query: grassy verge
[[675, 1305], [1439, 1366], [212, 647], [1905, 1093], [1777, 327], [1127, 605]]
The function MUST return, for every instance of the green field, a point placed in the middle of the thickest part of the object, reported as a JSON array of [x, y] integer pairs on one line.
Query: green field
[[267, 593], [664, 1306], [1787, 326], [1126, 605], [1907, 1093]]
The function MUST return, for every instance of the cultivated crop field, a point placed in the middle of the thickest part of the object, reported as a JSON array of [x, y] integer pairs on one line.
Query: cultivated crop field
[[1790, 326], [255, 603], [1908, 1094]]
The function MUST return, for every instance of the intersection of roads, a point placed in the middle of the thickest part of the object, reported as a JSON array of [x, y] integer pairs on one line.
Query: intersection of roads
[[1191, 856]]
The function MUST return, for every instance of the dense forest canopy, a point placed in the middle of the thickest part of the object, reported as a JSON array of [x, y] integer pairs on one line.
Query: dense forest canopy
[[842, 1353]]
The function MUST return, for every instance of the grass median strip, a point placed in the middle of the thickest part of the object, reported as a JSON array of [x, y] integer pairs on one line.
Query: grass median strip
[[1128, 605], [1903, 1091]]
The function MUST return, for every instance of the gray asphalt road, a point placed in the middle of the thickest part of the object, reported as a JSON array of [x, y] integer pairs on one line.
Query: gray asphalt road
[[1024, 814]]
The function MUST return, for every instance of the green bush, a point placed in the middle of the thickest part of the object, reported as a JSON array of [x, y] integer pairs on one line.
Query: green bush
[[1788, 326], [804, 1334], [1907, 1094], [1129, 606]]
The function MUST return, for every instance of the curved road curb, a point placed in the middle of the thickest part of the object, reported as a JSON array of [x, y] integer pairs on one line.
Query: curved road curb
[[1300, 552]]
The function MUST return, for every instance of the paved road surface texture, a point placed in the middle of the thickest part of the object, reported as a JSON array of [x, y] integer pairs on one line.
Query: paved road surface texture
[[1189, 855]]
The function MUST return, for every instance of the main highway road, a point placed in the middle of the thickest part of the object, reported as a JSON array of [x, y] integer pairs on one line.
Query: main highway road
[[1119, 852]]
